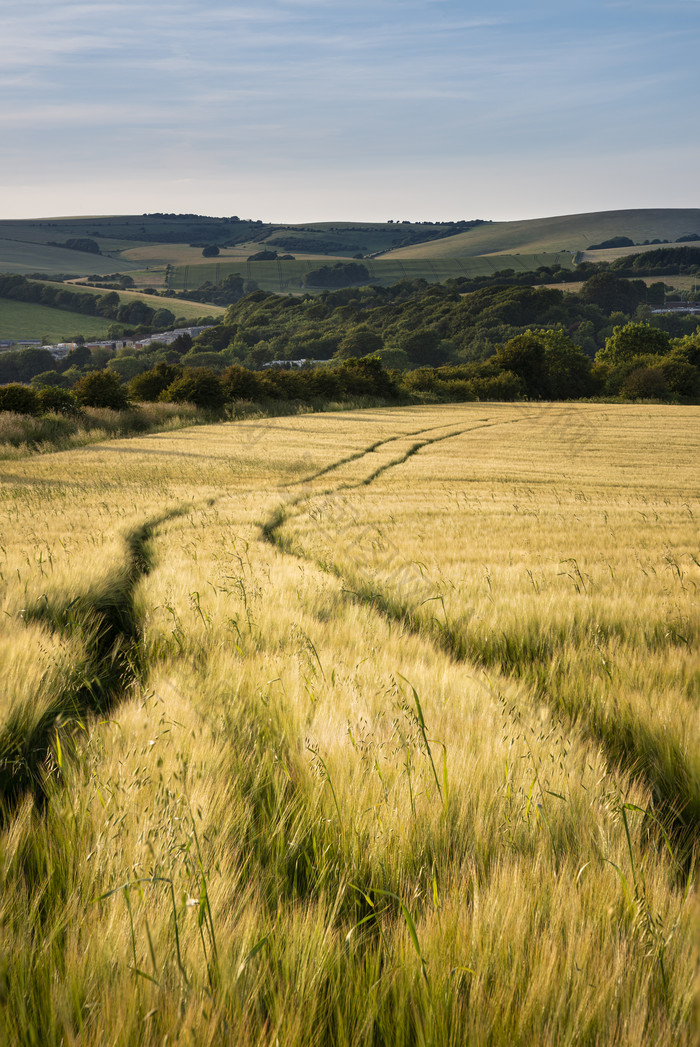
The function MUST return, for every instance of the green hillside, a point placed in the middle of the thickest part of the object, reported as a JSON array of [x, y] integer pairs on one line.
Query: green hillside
[[563, 233], [288, 277]]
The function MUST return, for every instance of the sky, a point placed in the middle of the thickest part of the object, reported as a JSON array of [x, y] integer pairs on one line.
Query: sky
[[312, 110]]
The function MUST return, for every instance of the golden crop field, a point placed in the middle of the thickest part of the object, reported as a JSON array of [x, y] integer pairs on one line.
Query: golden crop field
[[377, 727]]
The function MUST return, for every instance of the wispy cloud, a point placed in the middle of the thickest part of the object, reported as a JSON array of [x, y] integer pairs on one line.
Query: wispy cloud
[[315, 85]]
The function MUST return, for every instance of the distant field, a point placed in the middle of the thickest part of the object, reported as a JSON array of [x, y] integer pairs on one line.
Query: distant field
[[19, 320], [289, 276], [562, 233]]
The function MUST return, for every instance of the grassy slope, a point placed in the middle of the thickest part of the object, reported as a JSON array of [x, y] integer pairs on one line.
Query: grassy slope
[[20, 320], [26, 257], [561, 233]]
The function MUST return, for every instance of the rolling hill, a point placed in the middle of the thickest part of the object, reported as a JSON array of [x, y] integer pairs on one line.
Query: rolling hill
[[165, 250], [562, 233]]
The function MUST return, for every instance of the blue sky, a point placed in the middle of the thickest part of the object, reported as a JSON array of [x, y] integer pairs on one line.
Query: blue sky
[[301, 110]]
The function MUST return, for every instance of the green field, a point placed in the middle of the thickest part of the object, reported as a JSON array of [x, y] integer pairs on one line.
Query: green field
[[563, 233], [21, 320], [289, 276]]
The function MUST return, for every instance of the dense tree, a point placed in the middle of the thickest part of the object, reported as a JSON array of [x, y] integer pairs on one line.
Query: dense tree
[[240, 383], [359, 341], [210, 251], [163, 318], [424, 347], [682, 378], [567, 367], [127, 367], [79, 356], [645, 383], [48, 380], [609, 293]]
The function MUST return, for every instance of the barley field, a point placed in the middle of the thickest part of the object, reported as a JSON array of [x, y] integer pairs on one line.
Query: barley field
[[377, 727]]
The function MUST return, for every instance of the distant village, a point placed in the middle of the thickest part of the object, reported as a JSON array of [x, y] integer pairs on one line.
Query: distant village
[[61, 349]]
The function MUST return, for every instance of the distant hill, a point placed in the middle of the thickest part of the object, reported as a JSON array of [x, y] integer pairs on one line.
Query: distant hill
[[165, 250], [563, 233], [29, 245]]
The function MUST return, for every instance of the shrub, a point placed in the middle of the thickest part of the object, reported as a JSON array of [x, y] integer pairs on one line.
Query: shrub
[[19, 399], [646, 383], [150, 384], [681, 377], [240, 384], [101, 389], [57, 401], [199, 386], [502, 386]]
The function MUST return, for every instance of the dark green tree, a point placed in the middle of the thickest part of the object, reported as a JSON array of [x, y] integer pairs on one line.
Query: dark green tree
[[524, 356], [150, 384], [57, 401], [359, 341]]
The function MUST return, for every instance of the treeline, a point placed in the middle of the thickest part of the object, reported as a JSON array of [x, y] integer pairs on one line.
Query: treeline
[[80, 243], [342, 274], [665, 261], [464, 344], [637, 362], [228, 291], [203, 387]]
